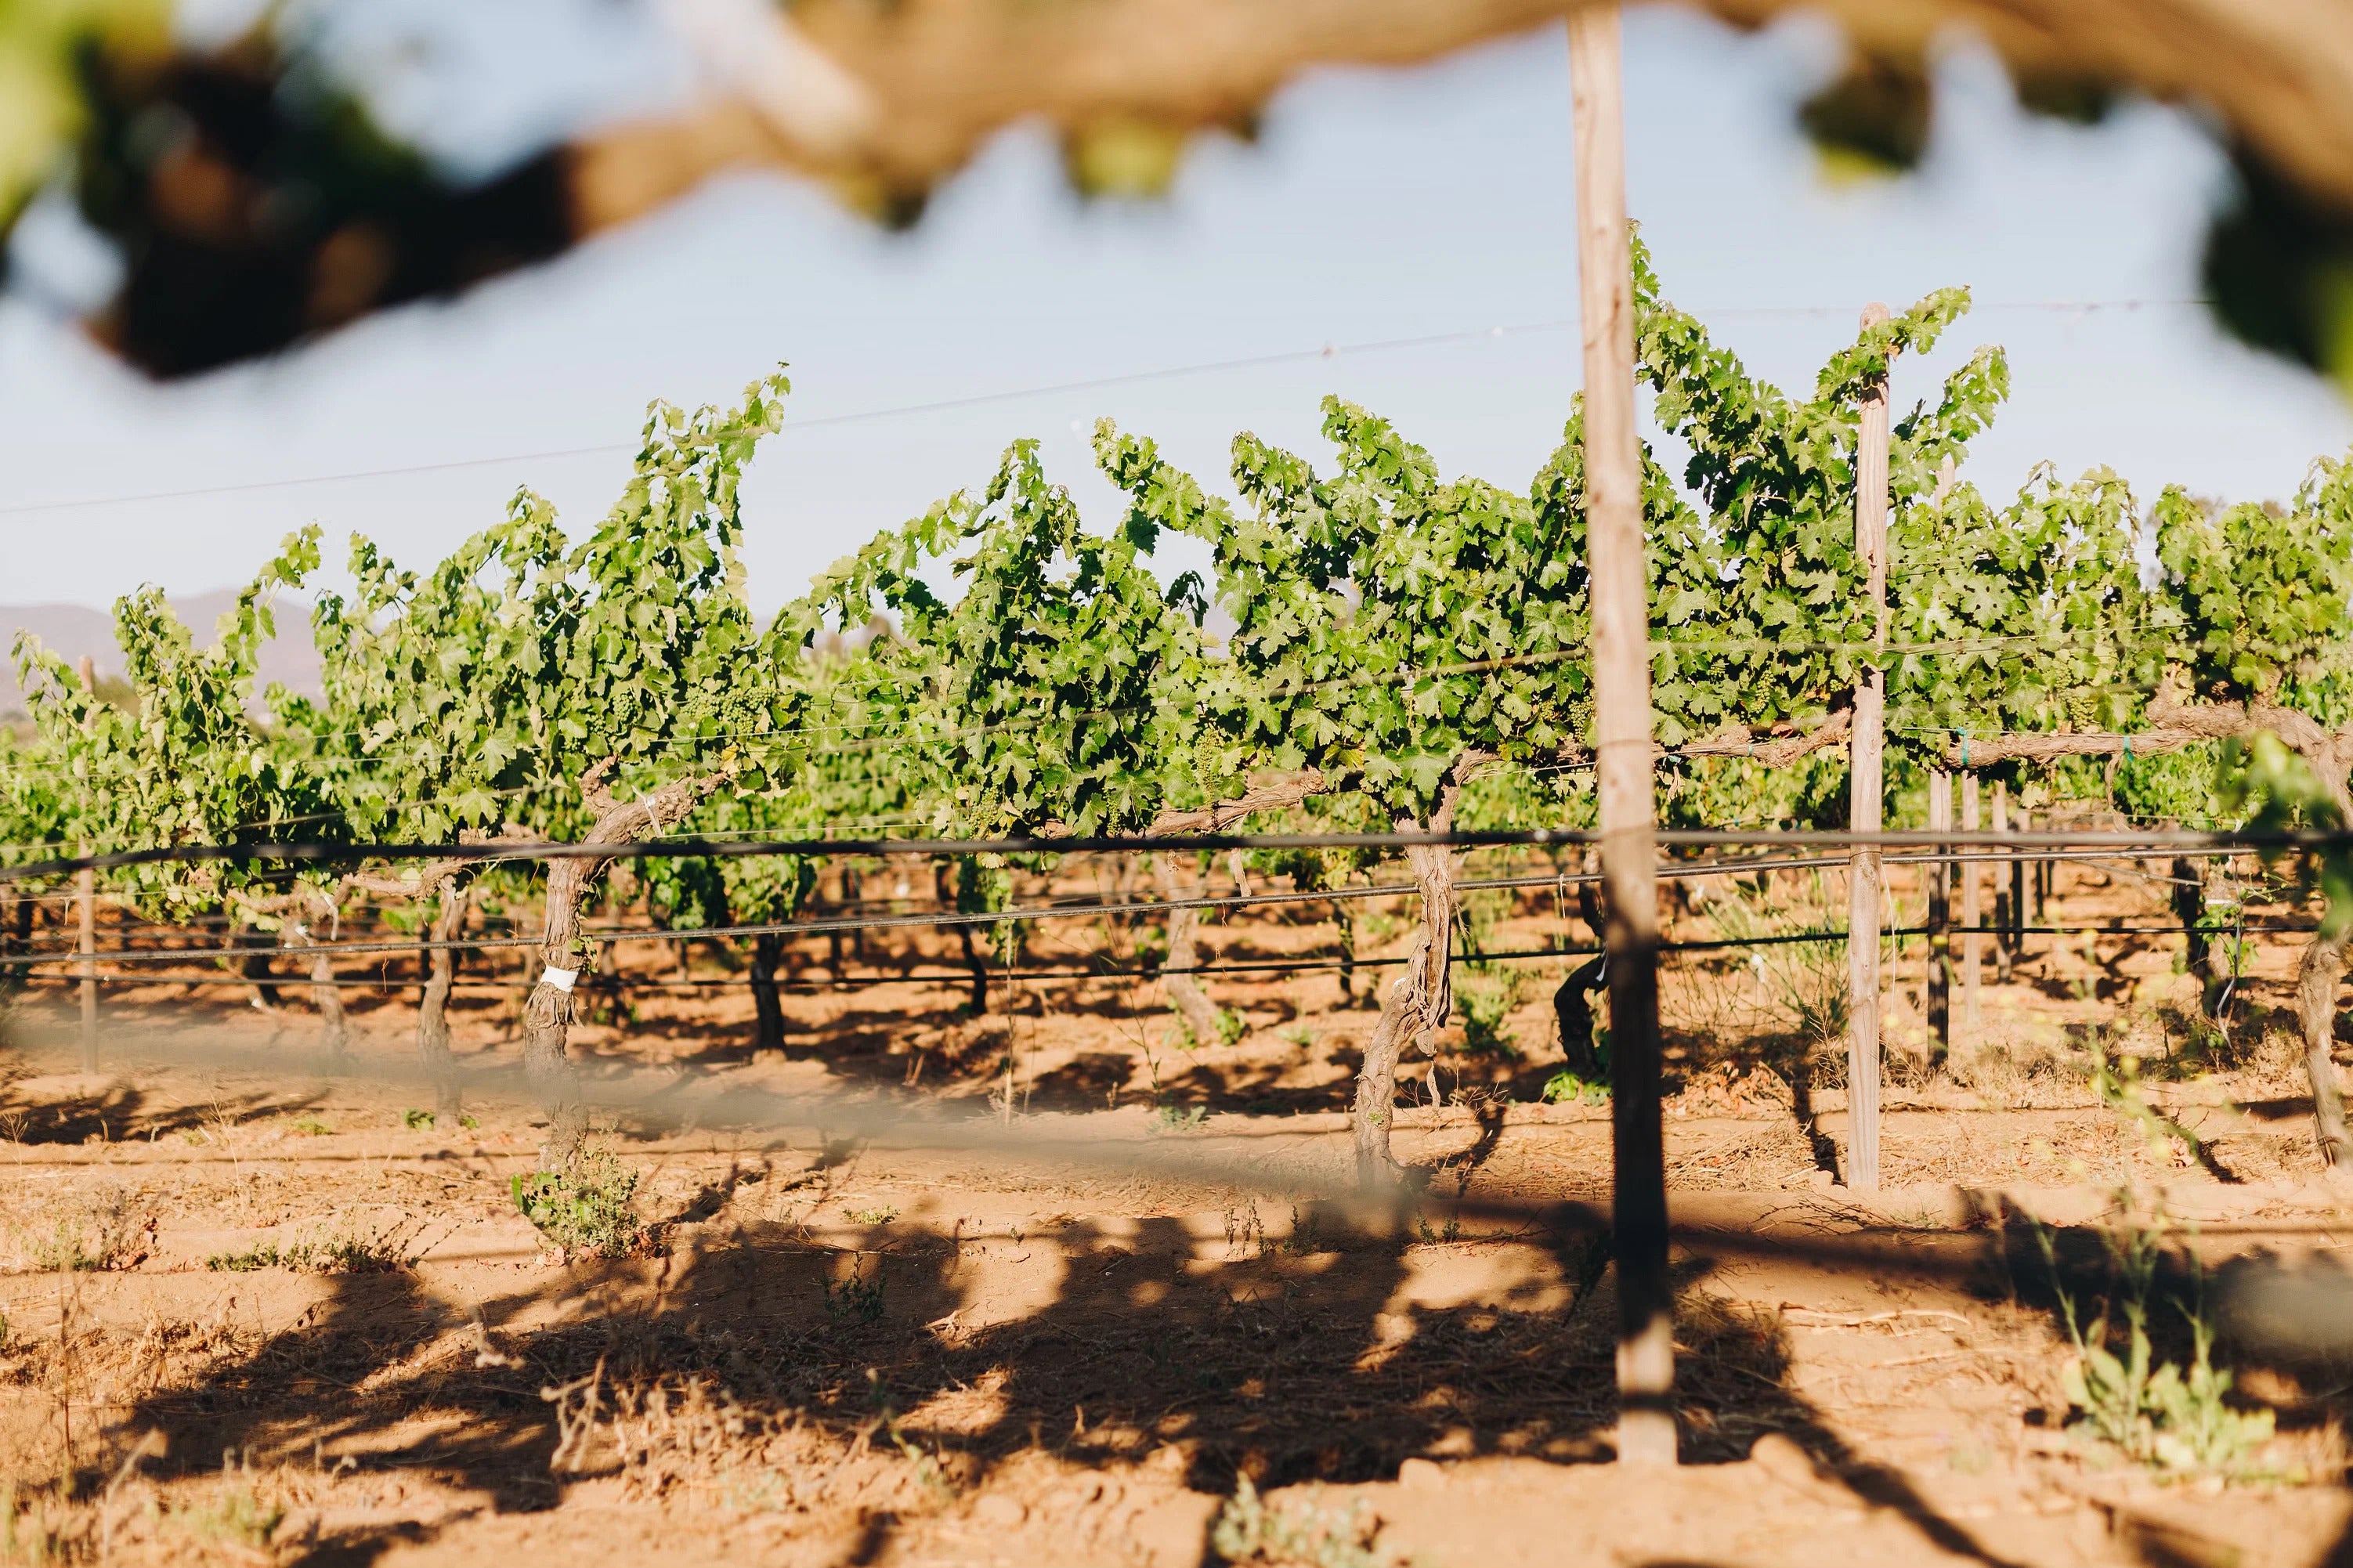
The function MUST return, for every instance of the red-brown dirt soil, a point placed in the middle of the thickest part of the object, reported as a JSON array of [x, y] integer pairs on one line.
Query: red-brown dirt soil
[[1046, 1286]]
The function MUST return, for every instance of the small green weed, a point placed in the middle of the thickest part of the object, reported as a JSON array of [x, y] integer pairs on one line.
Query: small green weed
[[418, 1121], [62, 1251], [1437, 1236], [883, 1215], [1232, 1027], [260, 1256], [387, 1251], [238, 1519], [584, 1208], [1168, 1117], [1300, 1035], [857, 1299], [310, 1127], [470, 1123], [95, 1232], [1564, 1088], [1487, 995], [1307, 1237], [927, 1468], [2116, 1080], [1245, 1231], [1801, 986], [2158, 1414], [1313, 1536], [357, 1255]]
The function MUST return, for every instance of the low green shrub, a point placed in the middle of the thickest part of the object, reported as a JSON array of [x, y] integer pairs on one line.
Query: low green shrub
[[2160, 1413], [387, 1251], [585, 1208]]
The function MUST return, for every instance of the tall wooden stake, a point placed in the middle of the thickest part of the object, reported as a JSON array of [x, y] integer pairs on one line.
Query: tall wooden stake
[[1940, 875], [86, 907], [1622, 682], [1865, 784], [1972, 917], [1940, 921], [2005, 913], [86, 903], [2018, 912]]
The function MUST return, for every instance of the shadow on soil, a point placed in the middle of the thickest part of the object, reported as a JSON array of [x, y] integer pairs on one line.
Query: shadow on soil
[[118, 1113], [845, 1375]]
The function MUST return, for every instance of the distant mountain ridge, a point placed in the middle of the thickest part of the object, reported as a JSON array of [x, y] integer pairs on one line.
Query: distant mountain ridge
[[76, 630]]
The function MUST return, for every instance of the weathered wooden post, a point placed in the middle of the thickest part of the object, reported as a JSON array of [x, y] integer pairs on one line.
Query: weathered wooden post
[[1972, 917], [2020, 916], [1622, 682], [1940, 875], [2005, 903], [1865, 780], [86, 903], [1940, 918], [86, 911]]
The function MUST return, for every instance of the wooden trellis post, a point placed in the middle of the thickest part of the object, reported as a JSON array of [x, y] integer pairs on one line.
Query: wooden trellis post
[[1866, 782], [2005, 901], [1622, 682], [1940, 920], [2019, 915], [1972, 917], [86, 906], [1940, 875], [86, 916]]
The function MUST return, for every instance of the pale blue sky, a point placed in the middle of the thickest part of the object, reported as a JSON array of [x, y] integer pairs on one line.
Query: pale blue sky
[[1377, 205]]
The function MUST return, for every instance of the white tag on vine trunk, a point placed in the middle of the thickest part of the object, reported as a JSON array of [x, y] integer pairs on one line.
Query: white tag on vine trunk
[[561, 979]]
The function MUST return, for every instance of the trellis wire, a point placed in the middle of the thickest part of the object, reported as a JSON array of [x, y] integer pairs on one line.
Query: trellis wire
[[2240, 839], [1025, 971], [1689, 871]]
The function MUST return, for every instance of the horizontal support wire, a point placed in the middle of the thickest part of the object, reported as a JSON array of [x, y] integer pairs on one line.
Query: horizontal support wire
[[819, 848], [1565, 879], [965, 975], [2110, 862]]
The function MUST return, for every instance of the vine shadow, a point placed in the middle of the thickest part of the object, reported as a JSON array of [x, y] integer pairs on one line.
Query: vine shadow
[[1285, 1356]]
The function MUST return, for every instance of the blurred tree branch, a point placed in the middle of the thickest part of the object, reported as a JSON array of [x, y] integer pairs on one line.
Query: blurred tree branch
[[188, 161]]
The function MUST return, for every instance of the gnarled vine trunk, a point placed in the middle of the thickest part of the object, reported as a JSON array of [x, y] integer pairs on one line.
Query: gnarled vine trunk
[[326, 997], [767, 954], [1273, 793], [1343, 925], [2321, 971], [1416, 1003], [454, 901], [255, 967], [18, 945], [1192, 1004], [450, 885], [547, 1017], [944, 877], [2188, 900], [976, 962], [2317, 975], [1572, 1010], [334, 1028]]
